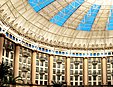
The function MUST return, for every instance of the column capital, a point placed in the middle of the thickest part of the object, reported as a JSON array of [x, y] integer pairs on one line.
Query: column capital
[[85, 57], [51, 55], [34, 50], [2, 35], [104, 57], [18, 44]]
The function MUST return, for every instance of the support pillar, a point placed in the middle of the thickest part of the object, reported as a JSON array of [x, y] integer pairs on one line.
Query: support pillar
[[104, 71], [50, 69], [1, 46], [33, 67], [16, 60], [85, 71], [67, 71]]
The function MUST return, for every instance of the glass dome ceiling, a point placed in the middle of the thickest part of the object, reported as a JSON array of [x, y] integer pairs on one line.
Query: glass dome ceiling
[[73, 24], [83, 15]]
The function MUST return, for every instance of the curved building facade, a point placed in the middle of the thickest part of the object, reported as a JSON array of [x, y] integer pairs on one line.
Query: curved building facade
[[58, 40]]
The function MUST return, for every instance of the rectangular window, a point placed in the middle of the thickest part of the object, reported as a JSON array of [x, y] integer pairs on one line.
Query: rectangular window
[[80, 66], [37, 62], [54, 65], [99, 78], [45, 82], [62, 77], [36, 76], [94, 77], [71, 78], [58, 65], [54, 78], [89, 77], [46, 65], [58, 77], [3, 52], [71, 72], [71, 67], [76, 77], [41, 76], [63, 66], [7, 54], [94, 66], [109, 77], [62, 71], [89, 66], [76, 67], [99, 66], [80, 72], [54, 71], [80, 77], [45, 77], [76, 83]]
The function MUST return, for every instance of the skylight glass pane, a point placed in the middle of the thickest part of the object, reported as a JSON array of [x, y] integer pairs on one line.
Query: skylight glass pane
[[88, 20], [61, 17], [37, 5], [110, 20]]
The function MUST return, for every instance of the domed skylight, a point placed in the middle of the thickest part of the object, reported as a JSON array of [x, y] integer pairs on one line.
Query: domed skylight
[[83, 15]]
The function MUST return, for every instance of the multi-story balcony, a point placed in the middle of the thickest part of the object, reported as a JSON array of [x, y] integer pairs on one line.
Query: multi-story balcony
[[94, 73], [42, 72], [76, 62], [25, 69], [94, 62], [26, 53], [59, 61], [76, 74], [58, 73], [42, 59]]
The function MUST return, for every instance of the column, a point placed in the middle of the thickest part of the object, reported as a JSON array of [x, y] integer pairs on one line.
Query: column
[[85, 71], [50, 69], [67, 71], [104, 71], [33, 67], [1, 46], [16, 60]]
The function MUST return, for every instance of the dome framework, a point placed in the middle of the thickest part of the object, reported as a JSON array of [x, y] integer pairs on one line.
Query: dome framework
[[36, 26], [60, 40]]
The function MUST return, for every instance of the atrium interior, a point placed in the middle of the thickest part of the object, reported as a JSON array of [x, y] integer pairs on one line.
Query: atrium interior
[[58, 40]]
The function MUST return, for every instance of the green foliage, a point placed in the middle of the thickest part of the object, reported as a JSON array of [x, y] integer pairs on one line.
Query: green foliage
[[6, 75]]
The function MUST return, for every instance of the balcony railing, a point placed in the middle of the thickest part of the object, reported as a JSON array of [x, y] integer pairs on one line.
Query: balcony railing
[[26, 53], [59, 61], [25, 69], [58, 73], [42, 59], [76, 74], [76, 62], [94, 74]]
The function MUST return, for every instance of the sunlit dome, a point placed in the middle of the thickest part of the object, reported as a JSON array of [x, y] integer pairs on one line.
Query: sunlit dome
[[65, 23], [78, 14]]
